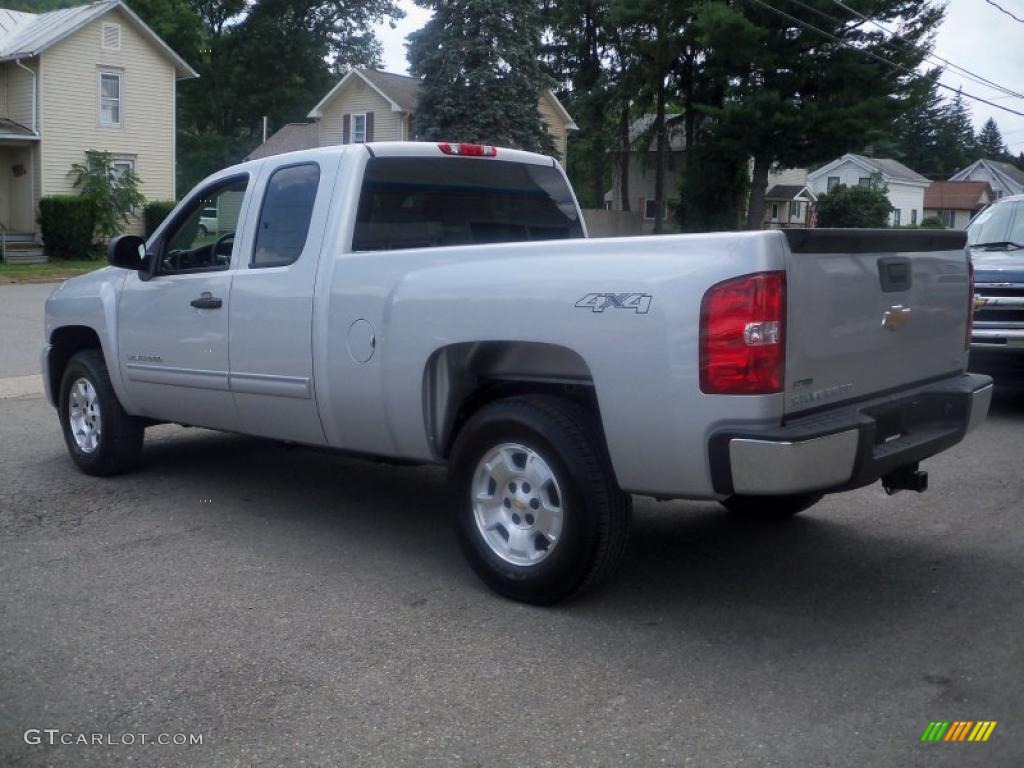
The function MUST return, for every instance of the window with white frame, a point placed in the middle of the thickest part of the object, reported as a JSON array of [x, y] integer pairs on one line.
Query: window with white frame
[[123, 165], [896, 217], [864, 181], [833, 181], [794, 210], [650, 209], [110, 98], [359, 129], [913, 216], [775, 211]]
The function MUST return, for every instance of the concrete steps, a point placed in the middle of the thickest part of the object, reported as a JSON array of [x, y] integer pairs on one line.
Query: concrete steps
[[22, 248]]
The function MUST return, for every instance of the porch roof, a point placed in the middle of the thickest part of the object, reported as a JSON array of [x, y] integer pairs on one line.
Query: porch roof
[[12, 130]]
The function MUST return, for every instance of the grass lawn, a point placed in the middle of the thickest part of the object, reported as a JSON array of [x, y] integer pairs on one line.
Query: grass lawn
[[52, 271]]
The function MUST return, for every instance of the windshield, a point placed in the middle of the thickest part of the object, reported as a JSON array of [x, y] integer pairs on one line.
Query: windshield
[[999, 223]]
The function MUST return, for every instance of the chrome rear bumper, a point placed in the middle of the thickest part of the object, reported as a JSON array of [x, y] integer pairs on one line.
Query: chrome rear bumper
[[852, 445]]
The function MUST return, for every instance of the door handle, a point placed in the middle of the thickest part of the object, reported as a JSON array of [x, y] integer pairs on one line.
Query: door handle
[[206, 300]]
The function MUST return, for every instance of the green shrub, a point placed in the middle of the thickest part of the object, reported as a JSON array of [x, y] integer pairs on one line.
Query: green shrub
[[155, 212], [115, 193], [858, 206], [67, 223], [932, 222]]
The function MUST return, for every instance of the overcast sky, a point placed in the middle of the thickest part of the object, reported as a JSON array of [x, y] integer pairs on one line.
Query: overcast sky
[[975, 36]]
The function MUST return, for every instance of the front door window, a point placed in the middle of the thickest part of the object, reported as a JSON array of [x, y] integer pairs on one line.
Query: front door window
[[202, 236]]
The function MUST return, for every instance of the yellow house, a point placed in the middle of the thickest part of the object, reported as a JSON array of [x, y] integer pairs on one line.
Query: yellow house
[[93, 77], [370, 105]]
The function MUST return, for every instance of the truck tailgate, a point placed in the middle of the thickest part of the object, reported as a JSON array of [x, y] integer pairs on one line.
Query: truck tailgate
[[871, 311]]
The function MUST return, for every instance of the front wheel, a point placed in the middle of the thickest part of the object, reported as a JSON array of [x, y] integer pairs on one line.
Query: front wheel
[[538, 513], [771, 507], [101, 438]]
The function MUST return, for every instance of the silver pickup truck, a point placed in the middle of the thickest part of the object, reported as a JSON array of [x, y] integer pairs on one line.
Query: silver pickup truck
[[441, 303]]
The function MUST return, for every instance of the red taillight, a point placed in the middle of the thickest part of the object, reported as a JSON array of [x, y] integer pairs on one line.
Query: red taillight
[[742, 335], [970, 302], [468, 150]]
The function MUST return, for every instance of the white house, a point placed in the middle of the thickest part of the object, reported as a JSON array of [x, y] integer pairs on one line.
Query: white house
[[906, 187], [1004, 178]]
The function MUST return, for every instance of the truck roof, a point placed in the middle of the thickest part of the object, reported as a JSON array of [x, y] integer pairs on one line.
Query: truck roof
[[395, 149]]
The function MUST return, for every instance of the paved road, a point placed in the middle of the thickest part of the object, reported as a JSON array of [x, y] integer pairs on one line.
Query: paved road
[[21, 327], [298, 608]]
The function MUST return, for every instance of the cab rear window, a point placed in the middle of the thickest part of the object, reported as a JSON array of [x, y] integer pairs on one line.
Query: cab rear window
[[424, 202]]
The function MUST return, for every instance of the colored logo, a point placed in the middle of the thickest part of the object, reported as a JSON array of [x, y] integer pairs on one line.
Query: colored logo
[[959, 730], [895, 317]]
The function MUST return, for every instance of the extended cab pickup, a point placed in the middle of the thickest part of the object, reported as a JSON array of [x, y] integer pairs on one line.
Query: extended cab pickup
[[441, 303]]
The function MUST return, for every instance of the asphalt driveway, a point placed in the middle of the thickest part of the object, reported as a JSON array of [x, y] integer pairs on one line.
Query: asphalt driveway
[[298, 608]]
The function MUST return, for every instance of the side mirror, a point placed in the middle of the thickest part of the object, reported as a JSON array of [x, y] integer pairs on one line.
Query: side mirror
[[127, 251]]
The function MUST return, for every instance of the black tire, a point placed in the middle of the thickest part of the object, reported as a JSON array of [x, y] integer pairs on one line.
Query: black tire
[[595, 512], [203, 230], [771, 507], [119, 445]]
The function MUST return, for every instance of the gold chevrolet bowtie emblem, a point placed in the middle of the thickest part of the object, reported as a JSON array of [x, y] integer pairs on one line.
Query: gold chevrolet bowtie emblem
[[895, 317]]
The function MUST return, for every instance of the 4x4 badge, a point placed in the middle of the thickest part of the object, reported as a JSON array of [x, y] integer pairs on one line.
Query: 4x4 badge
[[599, 302]]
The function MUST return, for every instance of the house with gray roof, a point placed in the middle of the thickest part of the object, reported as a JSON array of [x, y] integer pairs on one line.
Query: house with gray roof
[[1005, 178], [905, 186], [92, 77], [643, 145], [370, 105]]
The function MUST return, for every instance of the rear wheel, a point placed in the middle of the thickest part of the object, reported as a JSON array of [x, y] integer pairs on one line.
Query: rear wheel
[[771, 507], [101, 438], [538, 513]]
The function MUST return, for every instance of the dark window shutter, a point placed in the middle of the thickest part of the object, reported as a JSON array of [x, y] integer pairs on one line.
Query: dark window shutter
[[346, 129], [369, 126]]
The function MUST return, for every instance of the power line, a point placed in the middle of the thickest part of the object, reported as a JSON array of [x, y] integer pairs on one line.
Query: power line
[[883, 60], [979, 79], [1008, 13]]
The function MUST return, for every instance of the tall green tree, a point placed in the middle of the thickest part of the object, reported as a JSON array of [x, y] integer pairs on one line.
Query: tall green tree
[[989, 143], [272, 58], [482, 73], [576, 56], [798, 95], [654, 34], [955, 142]]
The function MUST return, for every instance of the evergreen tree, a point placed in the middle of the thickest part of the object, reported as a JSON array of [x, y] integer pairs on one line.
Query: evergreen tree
[[656, 34], [990, 144], [482, 73], [955, 136], [576, 55], [915, 135]]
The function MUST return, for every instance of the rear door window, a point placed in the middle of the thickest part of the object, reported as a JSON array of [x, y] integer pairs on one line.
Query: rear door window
[[424, 202], [285, 215]]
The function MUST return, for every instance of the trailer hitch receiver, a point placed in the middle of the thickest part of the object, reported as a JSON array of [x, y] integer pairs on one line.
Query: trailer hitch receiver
[[908, 478]]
